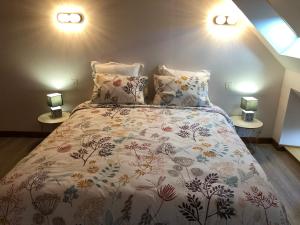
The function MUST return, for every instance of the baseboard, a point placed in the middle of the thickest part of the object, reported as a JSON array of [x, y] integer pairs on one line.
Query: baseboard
[[278, 146], [24, 134], [257, 140], [264, 141]]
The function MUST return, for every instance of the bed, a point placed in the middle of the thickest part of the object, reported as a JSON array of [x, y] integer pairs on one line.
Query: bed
[[140, 165]]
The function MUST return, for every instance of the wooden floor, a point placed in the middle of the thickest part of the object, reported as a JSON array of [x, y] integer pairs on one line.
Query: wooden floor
[[282, 169], [12, 150]]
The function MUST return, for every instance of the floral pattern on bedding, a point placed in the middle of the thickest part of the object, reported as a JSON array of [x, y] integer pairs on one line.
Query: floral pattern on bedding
[[181, 90], [140, 165], [118, 89]]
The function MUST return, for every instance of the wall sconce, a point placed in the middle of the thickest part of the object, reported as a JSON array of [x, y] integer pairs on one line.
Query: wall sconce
[[73, 17], [225, 20], [69, 18]]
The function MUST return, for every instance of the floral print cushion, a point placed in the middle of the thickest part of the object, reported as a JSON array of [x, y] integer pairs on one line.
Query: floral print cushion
[[118, 89], [181, 91]]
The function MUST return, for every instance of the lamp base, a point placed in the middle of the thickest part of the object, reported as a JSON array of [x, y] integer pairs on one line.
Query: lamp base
[[56, 112], [248, 116]]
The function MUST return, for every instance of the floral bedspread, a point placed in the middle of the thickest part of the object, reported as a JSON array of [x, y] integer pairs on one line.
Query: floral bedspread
[[140, 165]]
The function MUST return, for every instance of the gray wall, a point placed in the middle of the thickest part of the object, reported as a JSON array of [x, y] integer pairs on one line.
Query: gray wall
[[289, 10], [34, 54]]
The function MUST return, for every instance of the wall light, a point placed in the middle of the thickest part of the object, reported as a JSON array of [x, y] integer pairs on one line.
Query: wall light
[[232, 20], [69, 17], [220, 20], [225, 20]]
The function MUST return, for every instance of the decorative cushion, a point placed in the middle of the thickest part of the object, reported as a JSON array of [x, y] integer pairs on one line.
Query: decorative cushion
[[165, 71], [119, 89], [135, 69], [181, 91]]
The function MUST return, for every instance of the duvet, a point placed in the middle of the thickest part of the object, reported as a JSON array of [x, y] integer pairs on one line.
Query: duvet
[[140, 165]]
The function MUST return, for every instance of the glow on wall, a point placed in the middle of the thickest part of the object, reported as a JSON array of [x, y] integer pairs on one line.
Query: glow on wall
[[246, 87]]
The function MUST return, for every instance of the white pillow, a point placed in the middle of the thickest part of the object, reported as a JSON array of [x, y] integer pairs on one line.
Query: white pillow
[[135, 69], [163, 70]]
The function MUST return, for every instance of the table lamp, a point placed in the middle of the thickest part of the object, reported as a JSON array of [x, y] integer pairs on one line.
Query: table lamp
[[249, 106], [55, 101]]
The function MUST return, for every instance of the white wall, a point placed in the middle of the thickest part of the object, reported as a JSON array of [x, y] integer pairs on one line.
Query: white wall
[[290, 134], [291, 80], [34, 55], [289, 10]]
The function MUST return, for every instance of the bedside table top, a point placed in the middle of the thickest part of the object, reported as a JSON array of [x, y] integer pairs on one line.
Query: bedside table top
[[239, 122], [47, 118]]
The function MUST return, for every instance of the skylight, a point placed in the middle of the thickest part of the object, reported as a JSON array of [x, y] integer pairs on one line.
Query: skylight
[[271, 26]]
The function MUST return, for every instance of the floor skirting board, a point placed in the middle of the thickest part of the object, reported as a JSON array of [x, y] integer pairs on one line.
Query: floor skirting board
[[264, 140], [24, 134]]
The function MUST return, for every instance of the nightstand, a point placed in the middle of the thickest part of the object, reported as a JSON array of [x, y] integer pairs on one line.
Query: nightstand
[[46, 120], [247, 129]]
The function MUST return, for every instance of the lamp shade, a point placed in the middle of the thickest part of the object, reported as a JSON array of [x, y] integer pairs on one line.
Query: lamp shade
[[54, 99], [249, 103]]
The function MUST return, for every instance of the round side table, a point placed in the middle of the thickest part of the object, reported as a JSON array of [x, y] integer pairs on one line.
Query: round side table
[[247, 129], [47, 119]]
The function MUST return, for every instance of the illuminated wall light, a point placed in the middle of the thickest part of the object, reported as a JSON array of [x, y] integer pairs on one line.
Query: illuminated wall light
[[223, 31], [220, 20], [225, 20], [69, 18], [232, 20]]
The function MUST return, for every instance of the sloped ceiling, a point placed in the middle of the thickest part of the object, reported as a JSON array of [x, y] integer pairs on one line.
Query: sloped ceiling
[[289, 10], [282, 41]]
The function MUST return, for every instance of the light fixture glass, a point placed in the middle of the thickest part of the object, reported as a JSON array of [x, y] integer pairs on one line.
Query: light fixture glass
[[69, 17], [220, 20], [225, 20], [62, 17], [75, 18], [232, 20]]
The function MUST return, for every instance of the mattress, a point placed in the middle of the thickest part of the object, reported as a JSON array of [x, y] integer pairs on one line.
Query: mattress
[[140, 165]]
